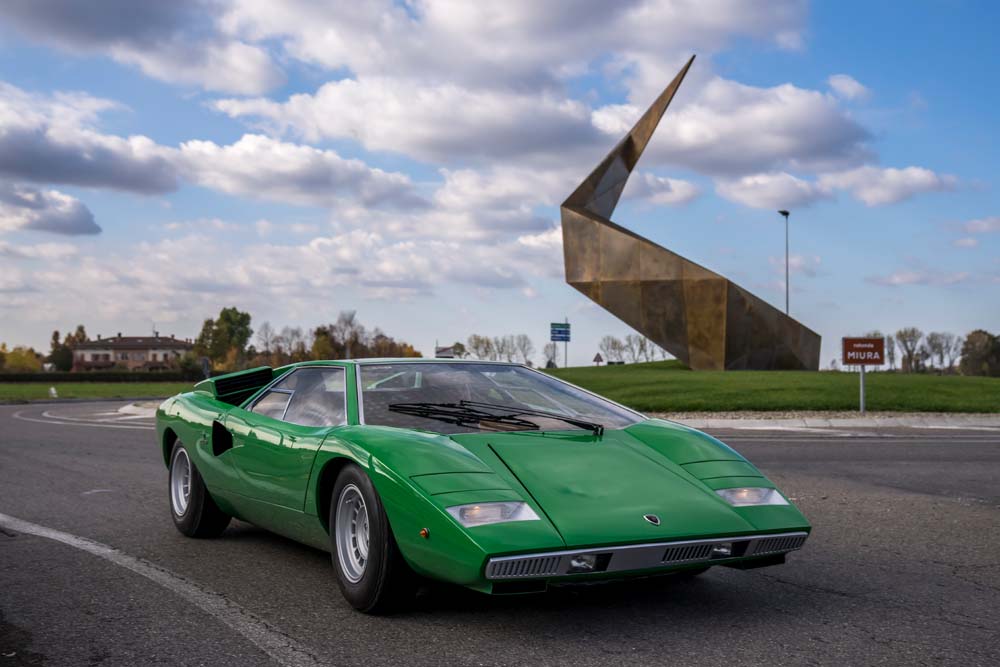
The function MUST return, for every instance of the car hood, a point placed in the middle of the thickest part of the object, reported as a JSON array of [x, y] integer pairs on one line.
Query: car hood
[[598, 489]]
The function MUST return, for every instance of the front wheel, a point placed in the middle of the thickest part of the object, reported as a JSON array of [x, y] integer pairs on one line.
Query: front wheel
[[371, 572], [194, 512]]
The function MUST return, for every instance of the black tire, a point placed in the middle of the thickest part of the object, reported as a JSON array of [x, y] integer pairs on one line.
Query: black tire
[[201, 517], [387, 583]]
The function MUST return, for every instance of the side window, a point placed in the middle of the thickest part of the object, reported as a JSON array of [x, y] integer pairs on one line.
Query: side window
[[319, 398], [308, 397], [272, 404]]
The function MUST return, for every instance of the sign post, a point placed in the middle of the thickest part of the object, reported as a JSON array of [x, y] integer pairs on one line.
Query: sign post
[[863, 352], [559, 332]]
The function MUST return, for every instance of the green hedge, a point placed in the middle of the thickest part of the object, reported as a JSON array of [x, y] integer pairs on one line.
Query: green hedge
[[101, 376]]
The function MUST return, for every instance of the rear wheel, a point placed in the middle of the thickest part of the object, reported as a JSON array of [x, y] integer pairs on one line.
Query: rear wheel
[[194, 512], [371, 572]]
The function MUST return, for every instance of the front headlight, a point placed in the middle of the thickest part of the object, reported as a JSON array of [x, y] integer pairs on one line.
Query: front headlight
[[750, 496], [480, 514]]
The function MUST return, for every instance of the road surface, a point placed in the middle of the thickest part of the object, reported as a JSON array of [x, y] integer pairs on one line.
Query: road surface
[[903, 567]]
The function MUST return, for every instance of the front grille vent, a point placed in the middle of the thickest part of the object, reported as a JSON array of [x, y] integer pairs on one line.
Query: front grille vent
[[775, 545], [542, 566], [688, 552]]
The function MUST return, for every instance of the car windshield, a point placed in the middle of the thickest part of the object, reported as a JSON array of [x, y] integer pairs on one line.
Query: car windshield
[[471, 397]]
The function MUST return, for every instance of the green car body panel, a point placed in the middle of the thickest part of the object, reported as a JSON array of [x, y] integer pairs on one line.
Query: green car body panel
[[589, 491]]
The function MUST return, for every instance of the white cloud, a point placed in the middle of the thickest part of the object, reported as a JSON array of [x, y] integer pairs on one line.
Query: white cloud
[[730, 129], [771, 190], [982, 225], [258, 166], [172, 41], [432, 122], [51, 139], [43, 251], [807, 265], [967, 242], [519, 43], [23, 207], [876, 186], [848, 87], [906, 277], [660, 190]]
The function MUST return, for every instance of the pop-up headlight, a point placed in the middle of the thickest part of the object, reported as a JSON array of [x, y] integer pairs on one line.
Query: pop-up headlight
[[480, 514], [752, 496]]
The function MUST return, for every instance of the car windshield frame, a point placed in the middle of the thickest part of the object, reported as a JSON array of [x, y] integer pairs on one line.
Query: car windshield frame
[[621, 415]]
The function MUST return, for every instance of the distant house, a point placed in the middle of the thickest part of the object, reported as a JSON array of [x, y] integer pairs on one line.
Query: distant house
[[444, 352], [135, 353]]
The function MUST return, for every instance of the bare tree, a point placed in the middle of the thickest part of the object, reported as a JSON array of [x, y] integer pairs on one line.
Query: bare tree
[[909, 341], [480, 347], [550, 351], [649, 350], [504, 348], [953, 349], [525, 348], [890, 351], [612, 347], [633, 345], [934, 345], [265, 337]]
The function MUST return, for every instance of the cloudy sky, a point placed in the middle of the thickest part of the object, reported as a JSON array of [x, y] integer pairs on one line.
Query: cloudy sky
[[159, 161]]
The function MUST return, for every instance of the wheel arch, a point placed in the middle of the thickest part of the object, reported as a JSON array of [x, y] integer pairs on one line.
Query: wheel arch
[[167, 444], [324, 486]]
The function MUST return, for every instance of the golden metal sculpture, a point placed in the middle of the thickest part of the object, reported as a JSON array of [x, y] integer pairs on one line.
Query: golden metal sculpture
[[703, 319]]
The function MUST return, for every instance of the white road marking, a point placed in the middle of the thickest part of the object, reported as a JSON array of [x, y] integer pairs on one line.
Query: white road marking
[[20, 415], [280, 647], [93, 491]]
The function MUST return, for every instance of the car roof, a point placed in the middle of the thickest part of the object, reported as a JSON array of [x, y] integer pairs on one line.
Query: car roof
[[403, 360]]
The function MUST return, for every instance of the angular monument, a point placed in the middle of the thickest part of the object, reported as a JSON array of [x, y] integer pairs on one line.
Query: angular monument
[[700, 317]]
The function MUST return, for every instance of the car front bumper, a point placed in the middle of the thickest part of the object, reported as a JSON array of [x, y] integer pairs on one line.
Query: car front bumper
[[634, 557]]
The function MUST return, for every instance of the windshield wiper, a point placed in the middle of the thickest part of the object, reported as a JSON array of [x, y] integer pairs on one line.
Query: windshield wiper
[[513, 411], [456, 413]]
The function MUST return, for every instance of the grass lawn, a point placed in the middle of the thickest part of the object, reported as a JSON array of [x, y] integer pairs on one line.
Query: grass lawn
[[33, 391], [667, 386]]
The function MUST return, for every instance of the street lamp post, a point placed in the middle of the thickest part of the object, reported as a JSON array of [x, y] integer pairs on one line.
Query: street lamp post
[[785, 214]]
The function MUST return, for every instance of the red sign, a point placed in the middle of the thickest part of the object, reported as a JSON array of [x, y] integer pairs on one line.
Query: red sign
[[864, 351]]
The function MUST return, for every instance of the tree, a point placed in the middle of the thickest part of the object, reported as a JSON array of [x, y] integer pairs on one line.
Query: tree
[[890, 351], [60, 353], [612, 348], [224, 339], [909, 341], [232, 331], [459, 350], [481, 346], [633, 348], [980, 354], [23, 360], [550, 352], [265, 337], [953, 349], [503, 348], [525, 348], [322, 346], [934, 346]]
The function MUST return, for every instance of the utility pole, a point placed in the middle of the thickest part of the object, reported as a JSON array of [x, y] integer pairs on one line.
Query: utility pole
[[786, 214]]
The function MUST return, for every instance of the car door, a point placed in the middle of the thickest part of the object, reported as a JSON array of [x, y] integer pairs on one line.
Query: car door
[[276, 438]]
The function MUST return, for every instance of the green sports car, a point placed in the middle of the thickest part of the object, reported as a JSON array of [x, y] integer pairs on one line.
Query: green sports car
[[489, 475]]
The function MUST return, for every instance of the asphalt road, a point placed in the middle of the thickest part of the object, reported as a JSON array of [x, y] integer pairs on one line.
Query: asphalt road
[[902, 568]]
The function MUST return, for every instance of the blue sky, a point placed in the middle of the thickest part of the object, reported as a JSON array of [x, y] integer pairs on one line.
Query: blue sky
[[406, 160]]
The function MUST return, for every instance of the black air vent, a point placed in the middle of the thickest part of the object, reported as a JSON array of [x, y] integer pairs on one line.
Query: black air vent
[[251, 380]]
